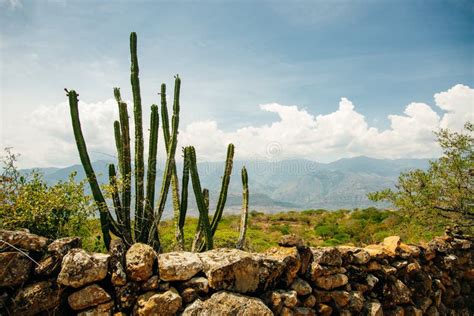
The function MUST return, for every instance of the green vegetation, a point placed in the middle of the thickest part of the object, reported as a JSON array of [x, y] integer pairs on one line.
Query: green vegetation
[[56, 211], [443, 194]]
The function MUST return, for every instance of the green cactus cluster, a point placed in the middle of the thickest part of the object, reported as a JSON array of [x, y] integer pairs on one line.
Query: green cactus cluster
[[145, 225]]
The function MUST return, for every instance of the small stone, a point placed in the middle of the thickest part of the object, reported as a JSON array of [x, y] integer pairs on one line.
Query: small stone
[[397, 311], [397, 293], [413, 267], [309, 301], [152, 283], [413, 311], [290, 240], [323, 309], [279, 299], [200, 284], [341, 298], [303, 311], [288, 258], [140, 259], [317, 270], [15, 268], [23, 240], [117, 262], [61, 247], [330, 256], [356, 301], [227, 303], [374, 308], [391, 244], [332, 281], [178, 266], [36, 298], [48, 266], [127, 295], [376, 251], [104, 309], [301, 287], [188, 295], [165, 304], [371, 280], [400, 264], [89, 296], [80, 268]]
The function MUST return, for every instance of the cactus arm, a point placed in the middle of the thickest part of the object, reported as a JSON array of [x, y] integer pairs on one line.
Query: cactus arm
[[126, 168], [89, 171], [245, 209], [115, 194], [151, 172], [137, 110], [118, 145], [168, 166], [224, 188], [200, 200], [164, 116], [184, 203]]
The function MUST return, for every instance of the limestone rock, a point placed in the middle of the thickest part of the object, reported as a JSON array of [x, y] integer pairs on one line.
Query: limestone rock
[[23, 240], [104, 309], [390, 244], [36, 298], [61, 247], [309, 301], [48, 266], [331, 281], [301, 287], [356, 301], [178, 266], [288, 258], [200, 284], [324, 310], [374, 308], [91, 295], [127, 295], [397, 293], [290, 240], [15, 268], [317, 270], [341, 298], [277, 300], [140, 259], [240, 271], [227, 303], [117, 262], [150, 303], [303, 311], [152, 283], [330, 256], [80, 268], [188, 295]]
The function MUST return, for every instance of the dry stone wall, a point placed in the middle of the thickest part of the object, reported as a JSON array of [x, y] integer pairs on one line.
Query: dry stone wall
[[392, 278]]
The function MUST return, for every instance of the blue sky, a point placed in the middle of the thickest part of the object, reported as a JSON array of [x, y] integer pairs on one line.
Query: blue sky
[[234, 56]]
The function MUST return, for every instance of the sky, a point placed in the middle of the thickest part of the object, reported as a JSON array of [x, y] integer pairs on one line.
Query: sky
[[319, 80]]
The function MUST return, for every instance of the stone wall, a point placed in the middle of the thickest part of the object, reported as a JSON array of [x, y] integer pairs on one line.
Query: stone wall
[[391, 278]]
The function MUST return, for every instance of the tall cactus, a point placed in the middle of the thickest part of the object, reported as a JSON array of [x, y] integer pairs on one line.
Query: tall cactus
[[145, 228], [245, 209], [137, 110]]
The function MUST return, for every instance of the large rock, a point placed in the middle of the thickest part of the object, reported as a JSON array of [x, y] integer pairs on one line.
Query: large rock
[[227, 303], [330, 256], [287, 257], [279, 299], [391, 244], [15, 268], [301, 287], [331, 281], [240, 271], [140, 259], [165, 304], [80, 268], [178, 266], [36, 298], [89, 296], [23, 240]]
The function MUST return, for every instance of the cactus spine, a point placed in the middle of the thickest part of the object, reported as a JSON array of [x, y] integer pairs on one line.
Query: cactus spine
[[245, 209]]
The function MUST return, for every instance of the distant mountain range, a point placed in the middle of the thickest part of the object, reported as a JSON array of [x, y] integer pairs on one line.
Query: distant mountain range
[[284, 185]]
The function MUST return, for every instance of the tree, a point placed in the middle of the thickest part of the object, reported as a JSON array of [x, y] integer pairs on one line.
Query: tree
[[444, 192]]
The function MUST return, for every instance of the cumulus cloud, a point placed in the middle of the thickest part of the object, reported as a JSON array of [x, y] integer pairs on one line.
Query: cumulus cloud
[[295, 134]]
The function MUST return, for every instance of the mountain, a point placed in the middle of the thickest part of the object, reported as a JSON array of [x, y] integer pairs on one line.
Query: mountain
[[283, 185]]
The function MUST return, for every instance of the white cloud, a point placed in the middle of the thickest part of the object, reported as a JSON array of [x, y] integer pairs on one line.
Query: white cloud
[[295, 134]]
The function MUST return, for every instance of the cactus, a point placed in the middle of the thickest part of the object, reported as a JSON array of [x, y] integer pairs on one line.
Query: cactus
[[245, 209], [174, 176], [137, 110], [145, 228], [204, 224]]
